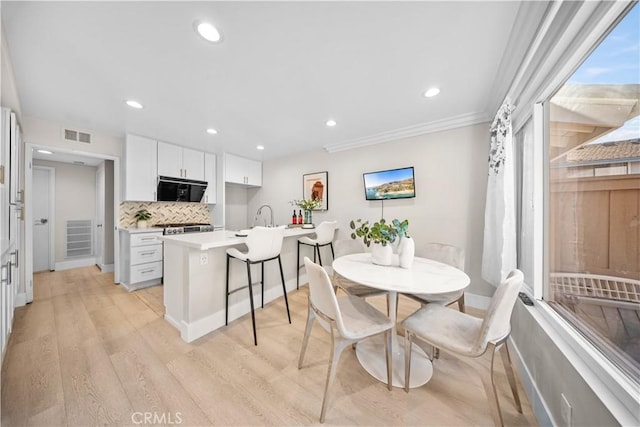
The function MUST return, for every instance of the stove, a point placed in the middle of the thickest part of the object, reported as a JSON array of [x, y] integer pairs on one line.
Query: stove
[[185, 228]]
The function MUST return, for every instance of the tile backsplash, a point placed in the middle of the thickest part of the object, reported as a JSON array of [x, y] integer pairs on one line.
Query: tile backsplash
[[165, 213]]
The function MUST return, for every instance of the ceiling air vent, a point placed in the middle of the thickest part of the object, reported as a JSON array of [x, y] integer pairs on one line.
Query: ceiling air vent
[[77, 136]]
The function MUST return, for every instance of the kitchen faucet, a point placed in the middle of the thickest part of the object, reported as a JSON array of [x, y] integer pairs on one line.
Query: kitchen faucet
[[270, 215]]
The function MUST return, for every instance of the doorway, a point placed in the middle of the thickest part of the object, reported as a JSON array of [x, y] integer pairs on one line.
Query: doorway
[[43, 218], [106, 224]]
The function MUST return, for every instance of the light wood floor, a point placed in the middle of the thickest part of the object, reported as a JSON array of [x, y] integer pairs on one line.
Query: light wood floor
[[86, 352]]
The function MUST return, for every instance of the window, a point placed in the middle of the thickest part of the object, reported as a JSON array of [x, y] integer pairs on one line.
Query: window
[[594, 197]]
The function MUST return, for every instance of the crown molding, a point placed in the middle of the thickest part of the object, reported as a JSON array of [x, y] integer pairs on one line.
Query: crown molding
[[410, 131]]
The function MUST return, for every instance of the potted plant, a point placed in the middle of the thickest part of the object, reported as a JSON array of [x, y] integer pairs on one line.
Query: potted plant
[[142, 216], [307, 206], [381, 234]]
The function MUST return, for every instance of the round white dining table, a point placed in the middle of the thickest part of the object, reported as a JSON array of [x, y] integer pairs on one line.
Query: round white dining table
[[424, 277]]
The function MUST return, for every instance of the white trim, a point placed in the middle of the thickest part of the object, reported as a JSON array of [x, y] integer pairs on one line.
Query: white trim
[[106, 268], [462, 120], [530, 386], [74, 263], [619, 394]]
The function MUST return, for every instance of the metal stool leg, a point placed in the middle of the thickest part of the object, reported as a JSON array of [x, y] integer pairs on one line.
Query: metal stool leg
[[298, 268], [226, 304], [317, 248], [333, 255], [262, 281], [284, 289], [253, 315]]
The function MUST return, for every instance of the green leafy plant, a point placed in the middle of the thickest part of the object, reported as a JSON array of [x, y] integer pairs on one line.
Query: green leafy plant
[[142, 215], [307, 205], [401, 227], [380, 232]]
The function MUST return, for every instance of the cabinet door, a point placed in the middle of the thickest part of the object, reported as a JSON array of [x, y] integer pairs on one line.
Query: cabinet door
[[210, 177], [193, 164], [170, 160], [254, 173], [140, 174], [234, 169]]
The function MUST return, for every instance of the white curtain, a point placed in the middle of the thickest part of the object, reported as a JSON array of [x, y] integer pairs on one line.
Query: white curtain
[[499, 252]]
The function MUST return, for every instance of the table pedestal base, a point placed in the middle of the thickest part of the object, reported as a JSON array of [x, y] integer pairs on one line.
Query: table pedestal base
[[370, 353]]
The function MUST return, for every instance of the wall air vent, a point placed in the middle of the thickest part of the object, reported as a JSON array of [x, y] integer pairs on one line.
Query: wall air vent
[[77, 136]]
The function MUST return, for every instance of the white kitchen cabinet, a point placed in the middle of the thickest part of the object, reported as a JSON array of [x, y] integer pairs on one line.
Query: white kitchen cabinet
[[140, 169], [210, 176], [140, 258], [180, 162], [239, 170]]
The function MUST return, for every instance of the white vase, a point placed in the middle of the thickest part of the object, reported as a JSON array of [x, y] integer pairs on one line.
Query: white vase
[[406, 252], [381, 255], [142, 224]]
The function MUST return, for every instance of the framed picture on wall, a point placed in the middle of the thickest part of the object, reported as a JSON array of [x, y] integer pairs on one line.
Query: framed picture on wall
[[316, 186]]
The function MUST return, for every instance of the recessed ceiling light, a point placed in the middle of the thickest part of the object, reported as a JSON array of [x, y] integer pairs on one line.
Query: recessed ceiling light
[[431, 92], [212, 131], [207, 31], [260, 147], [44, 151], [134, 104], [331, 123]]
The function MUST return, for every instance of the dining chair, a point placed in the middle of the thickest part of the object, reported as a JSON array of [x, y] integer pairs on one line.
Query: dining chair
[[450, 255], [465, 335], [264, 244], [347, 247], [347, 318], [324, 237]]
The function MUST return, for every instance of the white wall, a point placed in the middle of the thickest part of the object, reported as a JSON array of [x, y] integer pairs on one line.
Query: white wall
[[8, 90], [75, 198], [237, 214], [450, 172]]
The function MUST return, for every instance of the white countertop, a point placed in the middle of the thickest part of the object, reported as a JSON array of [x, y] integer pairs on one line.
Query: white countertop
[[221, 239]]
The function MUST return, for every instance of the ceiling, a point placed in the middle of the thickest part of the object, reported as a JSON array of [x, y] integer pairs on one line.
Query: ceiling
[[280, 72]]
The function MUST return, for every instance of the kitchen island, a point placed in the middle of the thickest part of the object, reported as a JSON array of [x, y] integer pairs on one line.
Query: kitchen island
[[195, 272]]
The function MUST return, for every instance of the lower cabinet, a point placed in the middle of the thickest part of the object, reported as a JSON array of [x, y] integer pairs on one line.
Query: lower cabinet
[[141, 258]]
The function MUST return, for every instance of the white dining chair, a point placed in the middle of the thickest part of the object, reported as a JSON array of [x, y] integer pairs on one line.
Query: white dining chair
[[347, 318], [264, 244], [465, 335], [347, 247], [324, 237], [450, 255]]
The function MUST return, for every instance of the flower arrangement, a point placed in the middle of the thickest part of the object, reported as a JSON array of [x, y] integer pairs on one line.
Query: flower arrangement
[[307, 205], [380, 232]]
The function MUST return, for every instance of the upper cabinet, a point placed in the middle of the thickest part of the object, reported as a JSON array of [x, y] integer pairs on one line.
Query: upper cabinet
[[180, 162], [140, 169], [210, 176], [239, 170]]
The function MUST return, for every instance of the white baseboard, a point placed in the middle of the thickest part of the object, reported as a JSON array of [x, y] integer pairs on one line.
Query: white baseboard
[[21, 299], [106, 268], [75, 263], [480, 302]]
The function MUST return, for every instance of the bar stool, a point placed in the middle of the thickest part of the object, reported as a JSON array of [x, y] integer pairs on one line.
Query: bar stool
[[324, 237], [264, 245]]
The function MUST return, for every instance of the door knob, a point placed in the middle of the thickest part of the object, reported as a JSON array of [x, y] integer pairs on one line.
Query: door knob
[[43, 220]]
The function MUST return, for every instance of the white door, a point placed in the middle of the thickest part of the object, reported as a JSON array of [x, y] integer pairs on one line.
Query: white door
[[100, 190], [41, 218]]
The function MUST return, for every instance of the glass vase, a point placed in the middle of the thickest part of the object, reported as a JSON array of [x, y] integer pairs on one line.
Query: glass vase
[[307, 217]]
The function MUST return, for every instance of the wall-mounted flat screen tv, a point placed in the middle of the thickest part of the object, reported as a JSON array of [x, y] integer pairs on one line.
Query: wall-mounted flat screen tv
[[390, 184]]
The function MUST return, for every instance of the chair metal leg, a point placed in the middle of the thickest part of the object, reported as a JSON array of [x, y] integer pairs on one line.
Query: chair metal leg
[[337, 346], [298, 268], [319, 258], [262, 282], [253, 315], [333, 255], [284, 289], [407, 359], [461, 304], [508, 367], [226, 303], [490, 390], [307, 332]]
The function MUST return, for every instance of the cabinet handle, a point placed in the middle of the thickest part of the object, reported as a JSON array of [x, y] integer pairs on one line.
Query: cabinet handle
[[20, 196], [147, 253], [9, 275], [15, 253], [4, 278], [151, 270]]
